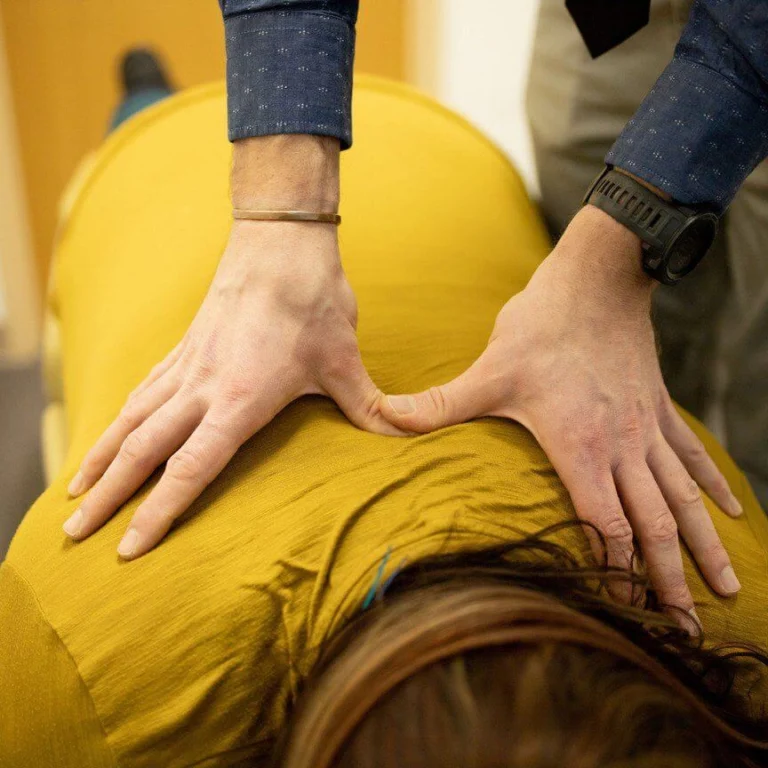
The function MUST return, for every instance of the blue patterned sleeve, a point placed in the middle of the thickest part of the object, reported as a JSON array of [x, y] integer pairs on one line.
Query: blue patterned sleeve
[[289, 67], [704, 125]]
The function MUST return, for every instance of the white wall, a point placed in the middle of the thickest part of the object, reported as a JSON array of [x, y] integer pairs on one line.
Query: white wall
[[481, 51]]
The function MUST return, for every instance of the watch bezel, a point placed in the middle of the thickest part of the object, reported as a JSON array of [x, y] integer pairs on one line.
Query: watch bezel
[[670, 277]]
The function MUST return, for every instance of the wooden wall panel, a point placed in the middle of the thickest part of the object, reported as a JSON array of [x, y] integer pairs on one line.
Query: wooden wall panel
[[62, 58]]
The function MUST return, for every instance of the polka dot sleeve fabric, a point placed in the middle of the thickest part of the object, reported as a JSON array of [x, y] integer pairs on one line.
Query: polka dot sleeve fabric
[[703, 127], [290, 71]]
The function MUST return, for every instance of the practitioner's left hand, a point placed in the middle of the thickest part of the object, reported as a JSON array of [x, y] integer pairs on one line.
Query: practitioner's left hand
[[573, 359]]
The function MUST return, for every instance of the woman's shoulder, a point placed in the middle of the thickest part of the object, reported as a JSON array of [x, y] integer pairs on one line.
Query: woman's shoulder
[[41, 691], [189, 635]]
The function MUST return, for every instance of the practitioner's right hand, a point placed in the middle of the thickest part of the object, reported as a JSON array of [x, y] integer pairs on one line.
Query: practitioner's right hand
[[278, 322], [573, 359]]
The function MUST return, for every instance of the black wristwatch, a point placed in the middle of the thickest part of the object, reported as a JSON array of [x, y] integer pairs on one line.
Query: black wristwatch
[[675, 237]]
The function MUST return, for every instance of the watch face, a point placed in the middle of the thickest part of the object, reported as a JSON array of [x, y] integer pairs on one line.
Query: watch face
[[691, 244]]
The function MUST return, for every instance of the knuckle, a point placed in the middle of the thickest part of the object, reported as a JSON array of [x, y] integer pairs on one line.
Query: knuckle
[[367, 409], [593, 441], [372, 407], [191, 391], [689, 496], [236, 394], [90, 464], [175, 377], [202, 373], [696, 451], [593, 449], [129, 415], [588, 444], [225, 431], [205, 365], [633, 428], [616, 528], [135, 448], [188, 389], [439, 403], [662, 528], [186, 465], [220, 428]]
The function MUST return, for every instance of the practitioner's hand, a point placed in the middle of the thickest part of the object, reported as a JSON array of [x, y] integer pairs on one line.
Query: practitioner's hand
[[573, 359], [278, 322]]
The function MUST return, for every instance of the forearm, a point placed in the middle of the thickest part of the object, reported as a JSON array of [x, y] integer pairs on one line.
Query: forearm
[[289, 67]]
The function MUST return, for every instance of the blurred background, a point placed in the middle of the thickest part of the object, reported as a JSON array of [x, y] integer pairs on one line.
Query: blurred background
[[59, 87]]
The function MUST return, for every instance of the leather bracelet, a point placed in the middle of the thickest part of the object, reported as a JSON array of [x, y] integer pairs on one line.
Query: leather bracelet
[[328, 218]]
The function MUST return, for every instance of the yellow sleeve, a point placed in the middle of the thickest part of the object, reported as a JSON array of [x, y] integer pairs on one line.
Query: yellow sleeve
[[47, 717]]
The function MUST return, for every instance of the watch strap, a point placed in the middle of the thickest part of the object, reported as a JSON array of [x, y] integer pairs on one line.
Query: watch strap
[[655, 221], [643, 212]]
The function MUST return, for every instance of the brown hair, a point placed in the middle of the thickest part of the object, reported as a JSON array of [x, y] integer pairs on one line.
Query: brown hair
[[513, 657]]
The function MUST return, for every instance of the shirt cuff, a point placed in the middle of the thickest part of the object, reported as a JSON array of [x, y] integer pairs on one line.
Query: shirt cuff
[[289, 72], [696, 136]]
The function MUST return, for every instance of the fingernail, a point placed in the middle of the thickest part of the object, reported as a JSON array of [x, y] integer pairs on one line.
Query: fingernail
[[695, 616], [127, 546], [728, 579], [736, 508], [74, 525], [77, 485], [402, 405]]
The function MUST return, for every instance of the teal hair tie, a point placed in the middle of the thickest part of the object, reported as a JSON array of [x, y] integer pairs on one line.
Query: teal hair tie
[[380, 590], [369, 598], [385, 586]]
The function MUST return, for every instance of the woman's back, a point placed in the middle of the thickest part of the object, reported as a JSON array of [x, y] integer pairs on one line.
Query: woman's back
[[191, 654]]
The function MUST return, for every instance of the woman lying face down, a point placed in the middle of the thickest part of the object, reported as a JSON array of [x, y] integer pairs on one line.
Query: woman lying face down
[[514, 657], [239, 638]]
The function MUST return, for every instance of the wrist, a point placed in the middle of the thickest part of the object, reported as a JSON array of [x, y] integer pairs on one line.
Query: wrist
[[286, 172], [609, 258], [293, 251]]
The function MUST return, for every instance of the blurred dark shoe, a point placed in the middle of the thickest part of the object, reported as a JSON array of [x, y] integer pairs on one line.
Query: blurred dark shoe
[[141, 70], [144, 82]]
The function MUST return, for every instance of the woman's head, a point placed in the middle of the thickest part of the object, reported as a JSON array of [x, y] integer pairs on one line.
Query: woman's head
[[511, 658]]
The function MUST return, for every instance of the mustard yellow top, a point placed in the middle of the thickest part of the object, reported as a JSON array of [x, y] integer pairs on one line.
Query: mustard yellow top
[[189, 656]]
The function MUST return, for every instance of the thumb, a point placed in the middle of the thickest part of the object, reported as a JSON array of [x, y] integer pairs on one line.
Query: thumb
[[468, 396], [360, 399]]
